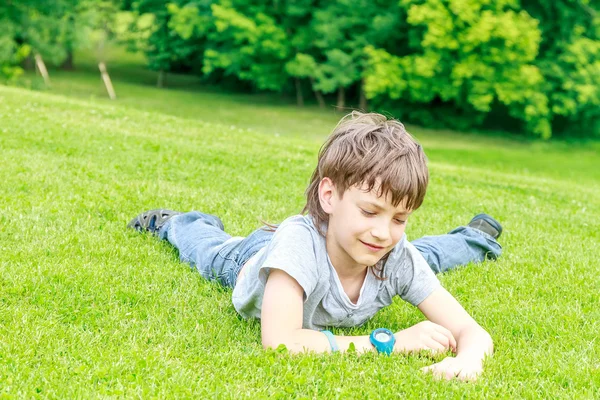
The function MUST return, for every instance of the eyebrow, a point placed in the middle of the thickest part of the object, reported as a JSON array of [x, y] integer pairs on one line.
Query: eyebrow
[[380, 207]]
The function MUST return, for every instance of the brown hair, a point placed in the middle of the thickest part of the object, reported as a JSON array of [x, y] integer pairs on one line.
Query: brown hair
[[369, 149]]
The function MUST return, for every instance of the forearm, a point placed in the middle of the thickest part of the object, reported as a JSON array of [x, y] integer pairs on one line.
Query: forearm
[[474, 344], [303, 340]]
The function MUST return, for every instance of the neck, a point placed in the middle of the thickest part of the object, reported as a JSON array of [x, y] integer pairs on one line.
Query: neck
[[351, 276]]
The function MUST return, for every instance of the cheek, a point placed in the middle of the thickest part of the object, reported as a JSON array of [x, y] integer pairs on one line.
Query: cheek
[[352, 219], [352, 225], [398, 233]]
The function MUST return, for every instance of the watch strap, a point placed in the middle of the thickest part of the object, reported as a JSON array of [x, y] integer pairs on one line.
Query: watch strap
[[332, 342]]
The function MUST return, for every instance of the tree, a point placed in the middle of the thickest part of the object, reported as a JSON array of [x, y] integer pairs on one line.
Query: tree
[[88, 23], [11, 52], [569, 59], [52, 29], [304, 66], [472, 54], [154, 27], [342, 29], [249, 45]]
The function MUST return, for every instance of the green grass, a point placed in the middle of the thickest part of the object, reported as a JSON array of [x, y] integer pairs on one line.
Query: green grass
[[90, 309]]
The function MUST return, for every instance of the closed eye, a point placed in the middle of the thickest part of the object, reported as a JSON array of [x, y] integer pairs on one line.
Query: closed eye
[[367, 213]]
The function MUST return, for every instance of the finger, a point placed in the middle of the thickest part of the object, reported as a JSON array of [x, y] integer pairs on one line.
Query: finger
[[451, 371], [445, 331], [441, 339], [446, 369], [441, 373], [468, 374], [448, 334], [433, 345], [433, 370], [432, 367], [442, 364]]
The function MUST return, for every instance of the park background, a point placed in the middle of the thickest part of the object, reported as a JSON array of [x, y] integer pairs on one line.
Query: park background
[[222, 106]]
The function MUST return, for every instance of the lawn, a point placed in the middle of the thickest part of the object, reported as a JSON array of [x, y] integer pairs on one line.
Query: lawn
[[90, 309]]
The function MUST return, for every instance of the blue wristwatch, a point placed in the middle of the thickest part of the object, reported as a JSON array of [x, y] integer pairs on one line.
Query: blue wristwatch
[[383, 339]]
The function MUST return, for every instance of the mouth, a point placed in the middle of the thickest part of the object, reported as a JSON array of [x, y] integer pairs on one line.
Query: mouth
[[372, 247]]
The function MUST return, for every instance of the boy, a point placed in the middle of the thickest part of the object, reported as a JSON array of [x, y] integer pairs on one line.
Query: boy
[[347, 256]]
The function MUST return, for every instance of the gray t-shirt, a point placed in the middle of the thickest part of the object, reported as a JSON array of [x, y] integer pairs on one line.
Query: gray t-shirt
[[299, 250]]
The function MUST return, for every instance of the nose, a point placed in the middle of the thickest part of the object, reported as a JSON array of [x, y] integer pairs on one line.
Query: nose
[[381, 230]]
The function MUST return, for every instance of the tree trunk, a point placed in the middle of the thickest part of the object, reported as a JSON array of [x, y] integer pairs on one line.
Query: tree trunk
[[162, 79], [299, 96], [68, 64], [341, 98], [28, 63], [318, 94], [320, 98], [363, 105]]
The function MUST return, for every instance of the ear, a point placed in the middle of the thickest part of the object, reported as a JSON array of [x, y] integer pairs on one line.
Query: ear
[[326, 194]]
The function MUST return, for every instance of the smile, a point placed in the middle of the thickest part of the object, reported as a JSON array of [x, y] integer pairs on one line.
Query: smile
[[371, 247]]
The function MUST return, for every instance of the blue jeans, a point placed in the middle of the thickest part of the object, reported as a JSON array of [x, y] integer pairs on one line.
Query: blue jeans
[[203, 243]]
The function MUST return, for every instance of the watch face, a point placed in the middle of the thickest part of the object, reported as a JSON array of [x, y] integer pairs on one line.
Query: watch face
[[383, 337]]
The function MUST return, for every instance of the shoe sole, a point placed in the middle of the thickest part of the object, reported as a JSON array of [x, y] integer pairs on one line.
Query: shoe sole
[[490, 220]]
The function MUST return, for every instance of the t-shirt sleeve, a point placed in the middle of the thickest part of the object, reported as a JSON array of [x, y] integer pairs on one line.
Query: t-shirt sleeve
[[292, 250], [414, 280]]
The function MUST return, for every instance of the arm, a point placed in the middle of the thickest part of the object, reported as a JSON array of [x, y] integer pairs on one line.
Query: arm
[[473, 342], [281, 320], [281, 323]]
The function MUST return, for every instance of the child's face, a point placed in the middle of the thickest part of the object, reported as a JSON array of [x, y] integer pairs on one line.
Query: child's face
[[362, 226]]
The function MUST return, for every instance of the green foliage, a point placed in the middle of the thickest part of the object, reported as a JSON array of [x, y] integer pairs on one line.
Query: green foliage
[[527, 65], [134, 30], [338, 71], [41, 26], [570, 62], [11, 53], [188, 21], [342, 29], [54, 30], [470, 53], [251, 47], [339, 39], [161, 31], [301, 66]]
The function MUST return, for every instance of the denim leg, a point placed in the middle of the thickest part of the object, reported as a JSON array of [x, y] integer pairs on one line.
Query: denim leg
[[203, 243], [459, 247]]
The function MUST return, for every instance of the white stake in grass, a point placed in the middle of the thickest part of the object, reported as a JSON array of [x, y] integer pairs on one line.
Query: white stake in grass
[[107, 82], [39, 63]]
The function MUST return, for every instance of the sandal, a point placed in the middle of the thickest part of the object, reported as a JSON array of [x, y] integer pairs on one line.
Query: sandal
[[151, 221]]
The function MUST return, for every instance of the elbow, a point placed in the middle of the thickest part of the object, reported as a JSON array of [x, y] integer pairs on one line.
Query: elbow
[[271, 343], [275, 341]]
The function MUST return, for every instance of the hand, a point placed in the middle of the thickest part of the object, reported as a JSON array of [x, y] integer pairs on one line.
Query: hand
[[456, 367], [425, 336]]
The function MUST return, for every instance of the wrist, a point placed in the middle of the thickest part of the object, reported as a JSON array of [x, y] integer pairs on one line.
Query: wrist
[[383, 340], [401, 345]]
